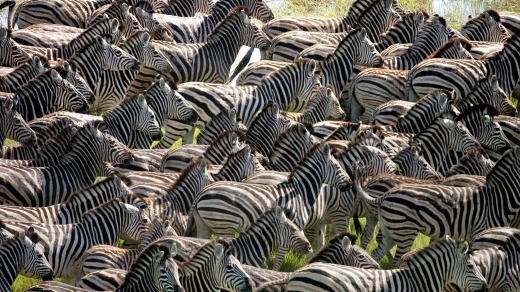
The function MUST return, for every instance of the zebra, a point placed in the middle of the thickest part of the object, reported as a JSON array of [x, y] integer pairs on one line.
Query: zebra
[[441, 73], [261, 275], [46, 93], [20, 253], [75, 79], [167, 105], [71, 210], [106, 28], [495, 252], [71, 13], [377, 18], [40, 186], [432, 36], [511, 21], [102, 225], [198, 30], [119, 10], [13, 126], [102, 257], [21, 75], [224, 121], [485, 27], [188, 8], [112, 86], [239, 165], [154, 270], [443, 261], [511, 127], [445, 216], [11, 54], [209, 99], [157, 31], [341, 250], [297, 204], [267, 125], [336, 69], [412, 164], [474, 162]]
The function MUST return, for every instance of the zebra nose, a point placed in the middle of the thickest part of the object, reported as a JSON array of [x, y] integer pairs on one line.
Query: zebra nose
[[48, 277], [157, 137]]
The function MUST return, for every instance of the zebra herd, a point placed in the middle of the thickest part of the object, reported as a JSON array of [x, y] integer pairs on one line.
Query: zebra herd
[[383, 114]]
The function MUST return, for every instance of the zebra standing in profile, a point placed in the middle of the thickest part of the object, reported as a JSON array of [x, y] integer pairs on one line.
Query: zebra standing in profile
[[428, 269], [11, 54], [123, 217], [20, 254], [486, 27]]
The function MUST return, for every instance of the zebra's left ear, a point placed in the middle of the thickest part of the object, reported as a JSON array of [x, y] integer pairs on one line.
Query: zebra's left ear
[[157, 257], [219, 251], [125, 9], [244, 17], [388, 4], [312, 67], [280, 214], [8, 105], [362, 33], [346, 244], [145, 38], [173, 249], [464, 248], [325, 149], [494, 82], [141, 100], [129, 208]]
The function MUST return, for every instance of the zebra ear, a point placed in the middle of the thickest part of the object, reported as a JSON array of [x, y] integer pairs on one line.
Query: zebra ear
[[23, 238], [388, 4], [219, 251], [145, 38], [275, 110], [464, 249], [419, 17], [458, 44], [125, 9], [173, 249], [312, 67], [325, 149], [3, 33], [8, 105], [232, 114], [488, 18], [66, 66], [55, 76], [494, 82], [280, 215], [73, 132], [247, 150], [141, 101], [131, 209], [157, 257], [346, 244], [362, 33], [244, 17], [114, 25], [101, 43], [139, 12]]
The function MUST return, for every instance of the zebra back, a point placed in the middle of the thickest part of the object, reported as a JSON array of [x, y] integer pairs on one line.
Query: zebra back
[[21, 74], [11, 54], [341, 250], [485, 27]]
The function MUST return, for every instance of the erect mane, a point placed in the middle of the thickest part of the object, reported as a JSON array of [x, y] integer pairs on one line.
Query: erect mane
[[369, 8], [413, 257], [73, 65]]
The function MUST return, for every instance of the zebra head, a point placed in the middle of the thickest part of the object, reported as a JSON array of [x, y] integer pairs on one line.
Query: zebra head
[[114, 58], [226, 120], [458, 137], [227, 270], [355, 256], [475, 162], [109, 149], [67, 97], [13, 126], [411, 163], [331, 171], [146, 121], [486, 27], [367, 55], [129, 24], [139, 46], [433, 35], [135, 216], [74, 78], [178, 108], [11, 54], [287, 233], [239, 165], [488, 91], [35, 263], [326, 96], [259, 10], [464, 272], [290, 148], [479, 121], [157, 30]]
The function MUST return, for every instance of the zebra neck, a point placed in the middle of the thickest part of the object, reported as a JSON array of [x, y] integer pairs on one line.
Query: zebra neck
[[102, 225], [88, 63], [198, 272], [505, 66], [119, 128], [272, 89], [33, 92], [338, 67], [433, 146], [11, 262], [93, 196], [305, 184], [255, 244], [220, 11]]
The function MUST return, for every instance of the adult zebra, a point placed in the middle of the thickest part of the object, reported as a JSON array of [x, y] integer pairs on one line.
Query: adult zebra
[[474, 162], [21, 74], [485, 27], [249, 200], [428, 269], [50, 185], [20, 254], [454, 211], [462, 75], [119, 9], [198, 29], [11, 54], [13, 126]]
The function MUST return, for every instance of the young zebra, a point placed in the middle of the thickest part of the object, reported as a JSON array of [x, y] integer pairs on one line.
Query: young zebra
[[459, 212], [209, 99], [21, 75], [474, 162], [252, 200], [112, 85], [19, 254], [462, 75], [428, 269], [11, 54], [224, 121], [168, 105], [51, 185], [123, 217], [336, 69], [154, 270], [411, 163], [239, 165], [485, 27], [46, 93], [341, 250], [13, 126], [71, 210], [198, 29], [102, 257]]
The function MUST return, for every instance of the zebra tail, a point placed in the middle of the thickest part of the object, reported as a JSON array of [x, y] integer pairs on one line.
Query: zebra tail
[[241, 65], [191, 219], [278, 282]]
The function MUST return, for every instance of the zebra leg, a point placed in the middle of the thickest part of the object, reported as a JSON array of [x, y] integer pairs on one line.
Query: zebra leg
[[384, 247], [280, 256], [368, 232], [320, 239], [404, 245], [379, 239]]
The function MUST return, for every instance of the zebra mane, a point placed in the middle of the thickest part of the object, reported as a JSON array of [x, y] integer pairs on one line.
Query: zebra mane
[[142, 200], [194, 163], [414, 257], [261, 113], [492, 13], [502, 167], [339, 47], [478, 108], [72, 64], [43, 78], [230, 14], [210, 246], [72, 196], [464, 42], [369, 8], [298, 62], [117, 108], [447, 115], [313, 149]]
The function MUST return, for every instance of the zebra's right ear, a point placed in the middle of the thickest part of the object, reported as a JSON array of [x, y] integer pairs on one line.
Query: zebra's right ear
[[362, 33], [145, 38], [8, 105], [325, 149], [419, 17], [388, 4], [114, 25], [219, 251], [141, 100], [173, 249], [312, 67], [131, 209], [157, 258], [494, 83], [346, 244], [280, 214], [102, 43], [55, 76]]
